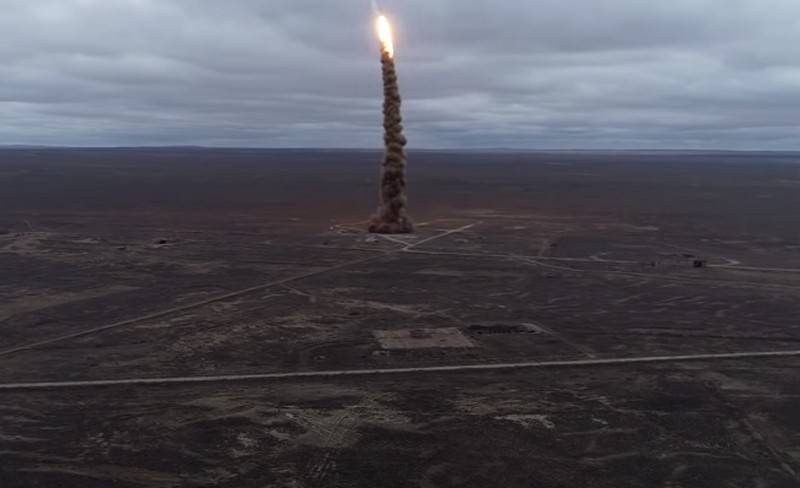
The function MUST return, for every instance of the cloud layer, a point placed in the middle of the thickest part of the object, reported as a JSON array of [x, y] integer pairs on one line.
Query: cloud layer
[[516, 73]]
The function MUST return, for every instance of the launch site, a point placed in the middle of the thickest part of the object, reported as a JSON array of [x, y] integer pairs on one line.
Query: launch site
[[511, 338], [421, 244]]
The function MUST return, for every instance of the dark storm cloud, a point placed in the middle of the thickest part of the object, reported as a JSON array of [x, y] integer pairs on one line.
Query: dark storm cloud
[[517, 73]]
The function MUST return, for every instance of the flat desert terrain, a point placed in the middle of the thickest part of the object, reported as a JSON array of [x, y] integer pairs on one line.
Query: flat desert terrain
[[198, 317]]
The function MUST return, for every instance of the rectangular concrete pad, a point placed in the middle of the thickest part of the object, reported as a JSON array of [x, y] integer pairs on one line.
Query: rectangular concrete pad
[[446, 337]]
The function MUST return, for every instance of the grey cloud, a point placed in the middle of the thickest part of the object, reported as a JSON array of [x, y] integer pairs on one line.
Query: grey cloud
[[515, 73]]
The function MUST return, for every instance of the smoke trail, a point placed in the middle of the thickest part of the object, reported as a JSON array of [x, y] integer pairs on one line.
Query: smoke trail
[[391, 217]]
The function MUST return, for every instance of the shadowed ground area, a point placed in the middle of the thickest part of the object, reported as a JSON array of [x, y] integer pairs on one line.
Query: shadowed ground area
[[183, 263]]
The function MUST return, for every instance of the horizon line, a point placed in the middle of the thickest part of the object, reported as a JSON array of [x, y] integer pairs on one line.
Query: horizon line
[[378, 149]]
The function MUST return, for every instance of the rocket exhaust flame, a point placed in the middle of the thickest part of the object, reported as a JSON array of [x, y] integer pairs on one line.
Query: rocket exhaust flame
[[391, 217], [385, 35]]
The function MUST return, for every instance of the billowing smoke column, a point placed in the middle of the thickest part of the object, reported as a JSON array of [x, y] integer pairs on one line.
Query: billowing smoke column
[[391, 217]]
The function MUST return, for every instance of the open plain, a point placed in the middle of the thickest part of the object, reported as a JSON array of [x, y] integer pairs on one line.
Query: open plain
[[198, 317]]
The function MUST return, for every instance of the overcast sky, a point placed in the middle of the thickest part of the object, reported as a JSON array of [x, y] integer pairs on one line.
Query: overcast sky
[[507, 73]]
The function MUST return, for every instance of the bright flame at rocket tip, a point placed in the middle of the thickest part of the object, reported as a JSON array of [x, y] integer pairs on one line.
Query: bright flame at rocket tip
[[385, 35]]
